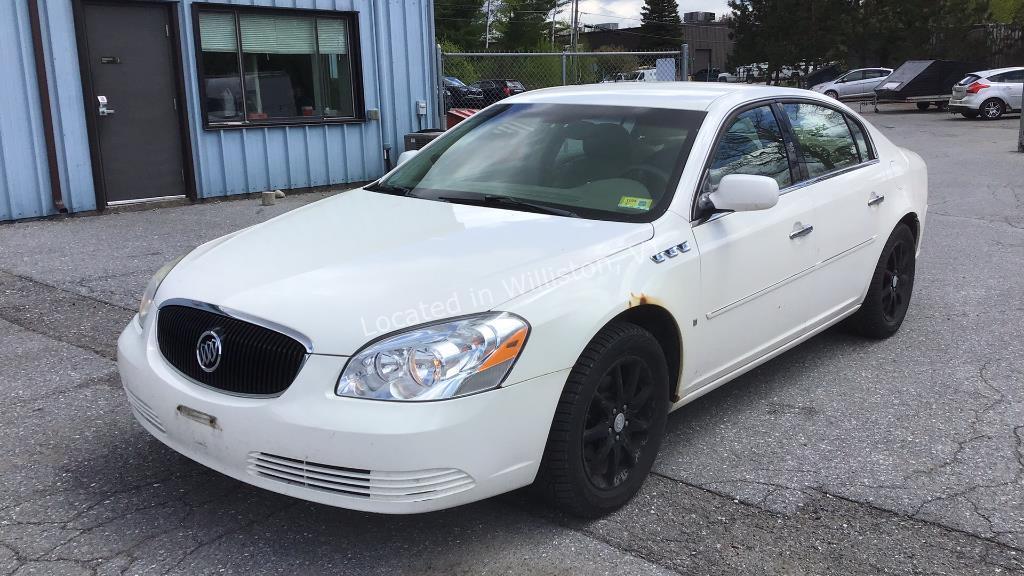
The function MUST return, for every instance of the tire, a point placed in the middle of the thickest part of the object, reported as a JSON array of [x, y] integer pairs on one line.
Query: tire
[[969, 115], [892, 285], [992, 109], [589, 420], [832, 94], [922, 106]]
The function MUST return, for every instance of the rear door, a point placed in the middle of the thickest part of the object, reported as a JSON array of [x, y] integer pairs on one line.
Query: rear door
[[753, 264], [840, 170]]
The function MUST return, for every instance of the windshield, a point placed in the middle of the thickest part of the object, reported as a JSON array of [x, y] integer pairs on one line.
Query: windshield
[[602, 162], [454, 81]]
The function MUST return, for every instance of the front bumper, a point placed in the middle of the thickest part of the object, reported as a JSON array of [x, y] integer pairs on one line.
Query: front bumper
[[375, 456]]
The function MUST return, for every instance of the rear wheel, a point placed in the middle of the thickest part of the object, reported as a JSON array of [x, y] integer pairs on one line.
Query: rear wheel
[[892, 284], [608, 424], [923, 105], [992, 109]]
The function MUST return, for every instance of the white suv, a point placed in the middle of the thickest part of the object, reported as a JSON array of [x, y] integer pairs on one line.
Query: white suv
[[989, 94]]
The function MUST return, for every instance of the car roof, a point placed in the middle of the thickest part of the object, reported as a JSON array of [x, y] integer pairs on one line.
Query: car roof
[[673, 95], [995, 71]]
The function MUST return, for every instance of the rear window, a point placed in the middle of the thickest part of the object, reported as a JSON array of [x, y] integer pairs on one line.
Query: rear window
[[516, 85], [971, 79]]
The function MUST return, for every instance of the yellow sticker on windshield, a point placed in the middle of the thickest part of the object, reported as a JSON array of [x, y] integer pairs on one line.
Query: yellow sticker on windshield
[[635, 203]]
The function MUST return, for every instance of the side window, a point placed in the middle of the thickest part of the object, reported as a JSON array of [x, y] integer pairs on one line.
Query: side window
[[823, 138], [854, 76], [752, 144], [1014, 77], [866, 153]]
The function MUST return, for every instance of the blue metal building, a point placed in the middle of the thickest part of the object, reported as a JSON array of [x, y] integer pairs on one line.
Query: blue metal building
[[116, 101]]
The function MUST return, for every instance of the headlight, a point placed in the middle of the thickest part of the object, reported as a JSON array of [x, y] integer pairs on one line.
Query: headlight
[[437, 361], [151, 288]]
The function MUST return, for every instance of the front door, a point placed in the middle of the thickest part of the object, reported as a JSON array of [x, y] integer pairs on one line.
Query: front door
[[131, 70], [755, 285]]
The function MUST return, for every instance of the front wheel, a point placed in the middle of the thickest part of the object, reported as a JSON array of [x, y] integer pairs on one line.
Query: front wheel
[[922, 106], [608, 424], [832, 94], [892, 284]]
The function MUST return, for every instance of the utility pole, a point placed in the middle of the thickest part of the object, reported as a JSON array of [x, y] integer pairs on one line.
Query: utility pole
[[1020, 137], [487, 34], [575, 25]]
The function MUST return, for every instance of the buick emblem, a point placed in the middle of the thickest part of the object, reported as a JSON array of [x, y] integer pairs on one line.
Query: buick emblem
[[208, 351]]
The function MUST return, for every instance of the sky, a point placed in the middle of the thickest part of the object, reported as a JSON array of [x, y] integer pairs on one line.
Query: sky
[[627, 12]]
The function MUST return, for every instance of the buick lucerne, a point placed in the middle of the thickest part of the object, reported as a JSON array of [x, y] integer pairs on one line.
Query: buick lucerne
[[526, 299]]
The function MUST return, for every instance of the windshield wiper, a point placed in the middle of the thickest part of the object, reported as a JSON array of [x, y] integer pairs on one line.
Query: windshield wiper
[[389, 189], [509, 202]]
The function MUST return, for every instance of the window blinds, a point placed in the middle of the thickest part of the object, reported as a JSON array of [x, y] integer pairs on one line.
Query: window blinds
[[332, 35], [217, 32], [275, 34]]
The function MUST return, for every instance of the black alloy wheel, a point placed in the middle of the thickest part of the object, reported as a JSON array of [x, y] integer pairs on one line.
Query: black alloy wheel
[[892, 285], [618, 423], [608, 424], [897, 282]]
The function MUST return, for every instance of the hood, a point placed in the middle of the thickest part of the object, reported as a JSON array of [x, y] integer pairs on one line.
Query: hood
[[361, 264]]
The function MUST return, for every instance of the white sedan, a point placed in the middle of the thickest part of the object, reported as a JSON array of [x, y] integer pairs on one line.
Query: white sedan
[[527, 298]]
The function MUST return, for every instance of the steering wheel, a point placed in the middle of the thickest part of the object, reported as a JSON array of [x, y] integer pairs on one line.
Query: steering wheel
[[661, 178]]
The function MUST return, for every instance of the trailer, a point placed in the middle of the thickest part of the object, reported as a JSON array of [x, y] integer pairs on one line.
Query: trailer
[[923, 82]]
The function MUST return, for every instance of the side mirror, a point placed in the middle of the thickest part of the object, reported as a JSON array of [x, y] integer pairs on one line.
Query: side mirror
[[745, 193], [406, 156]]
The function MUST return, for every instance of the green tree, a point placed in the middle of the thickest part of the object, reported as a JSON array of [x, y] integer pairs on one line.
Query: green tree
[[524, 24], [661, 25], [1007, 11], [460, 22]]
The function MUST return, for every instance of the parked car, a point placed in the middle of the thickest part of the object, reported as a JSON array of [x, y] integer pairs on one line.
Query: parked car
[[855, 84], [458, 95], [552, 278], [495, 90], [641, 75], [989, 93], [707, 75], [729, 77]]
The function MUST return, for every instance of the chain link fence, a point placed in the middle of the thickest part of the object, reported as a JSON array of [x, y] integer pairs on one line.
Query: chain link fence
[[475, 80]]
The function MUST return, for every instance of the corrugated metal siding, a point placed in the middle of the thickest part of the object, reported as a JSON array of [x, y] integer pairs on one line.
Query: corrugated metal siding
[[255, 159], [24, 176], [396, 45]]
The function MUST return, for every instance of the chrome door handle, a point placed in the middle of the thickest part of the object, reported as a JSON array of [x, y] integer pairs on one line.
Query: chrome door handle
[[104, 111], [801, 231], [876, 199]]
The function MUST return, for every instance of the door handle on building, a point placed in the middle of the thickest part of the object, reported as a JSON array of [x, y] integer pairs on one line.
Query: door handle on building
[[800, 231], [103, 110]]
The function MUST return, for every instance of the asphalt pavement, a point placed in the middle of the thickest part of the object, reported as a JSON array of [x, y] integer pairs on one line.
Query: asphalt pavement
[[843, 456]]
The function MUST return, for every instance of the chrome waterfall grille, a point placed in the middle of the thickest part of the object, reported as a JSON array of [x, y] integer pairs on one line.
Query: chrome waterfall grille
[[227, 353]]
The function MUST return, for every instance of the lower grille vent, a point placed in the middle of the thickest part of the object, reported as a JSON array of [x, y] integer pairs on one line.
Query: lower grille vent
[[143, 411], [390, 486]]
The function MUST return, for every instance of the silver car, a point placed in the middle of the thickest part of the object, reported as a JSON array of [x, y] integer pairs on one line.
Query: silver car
[[855, 84], [989, 94]]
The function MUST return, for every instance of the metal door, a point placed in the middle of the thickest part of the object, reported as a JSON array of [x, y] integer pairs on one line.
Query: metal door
[[132, 96]]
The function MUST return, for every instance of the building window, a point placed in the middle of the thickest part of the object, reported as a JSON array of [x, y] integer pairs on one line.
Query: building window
[[268, 66]]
